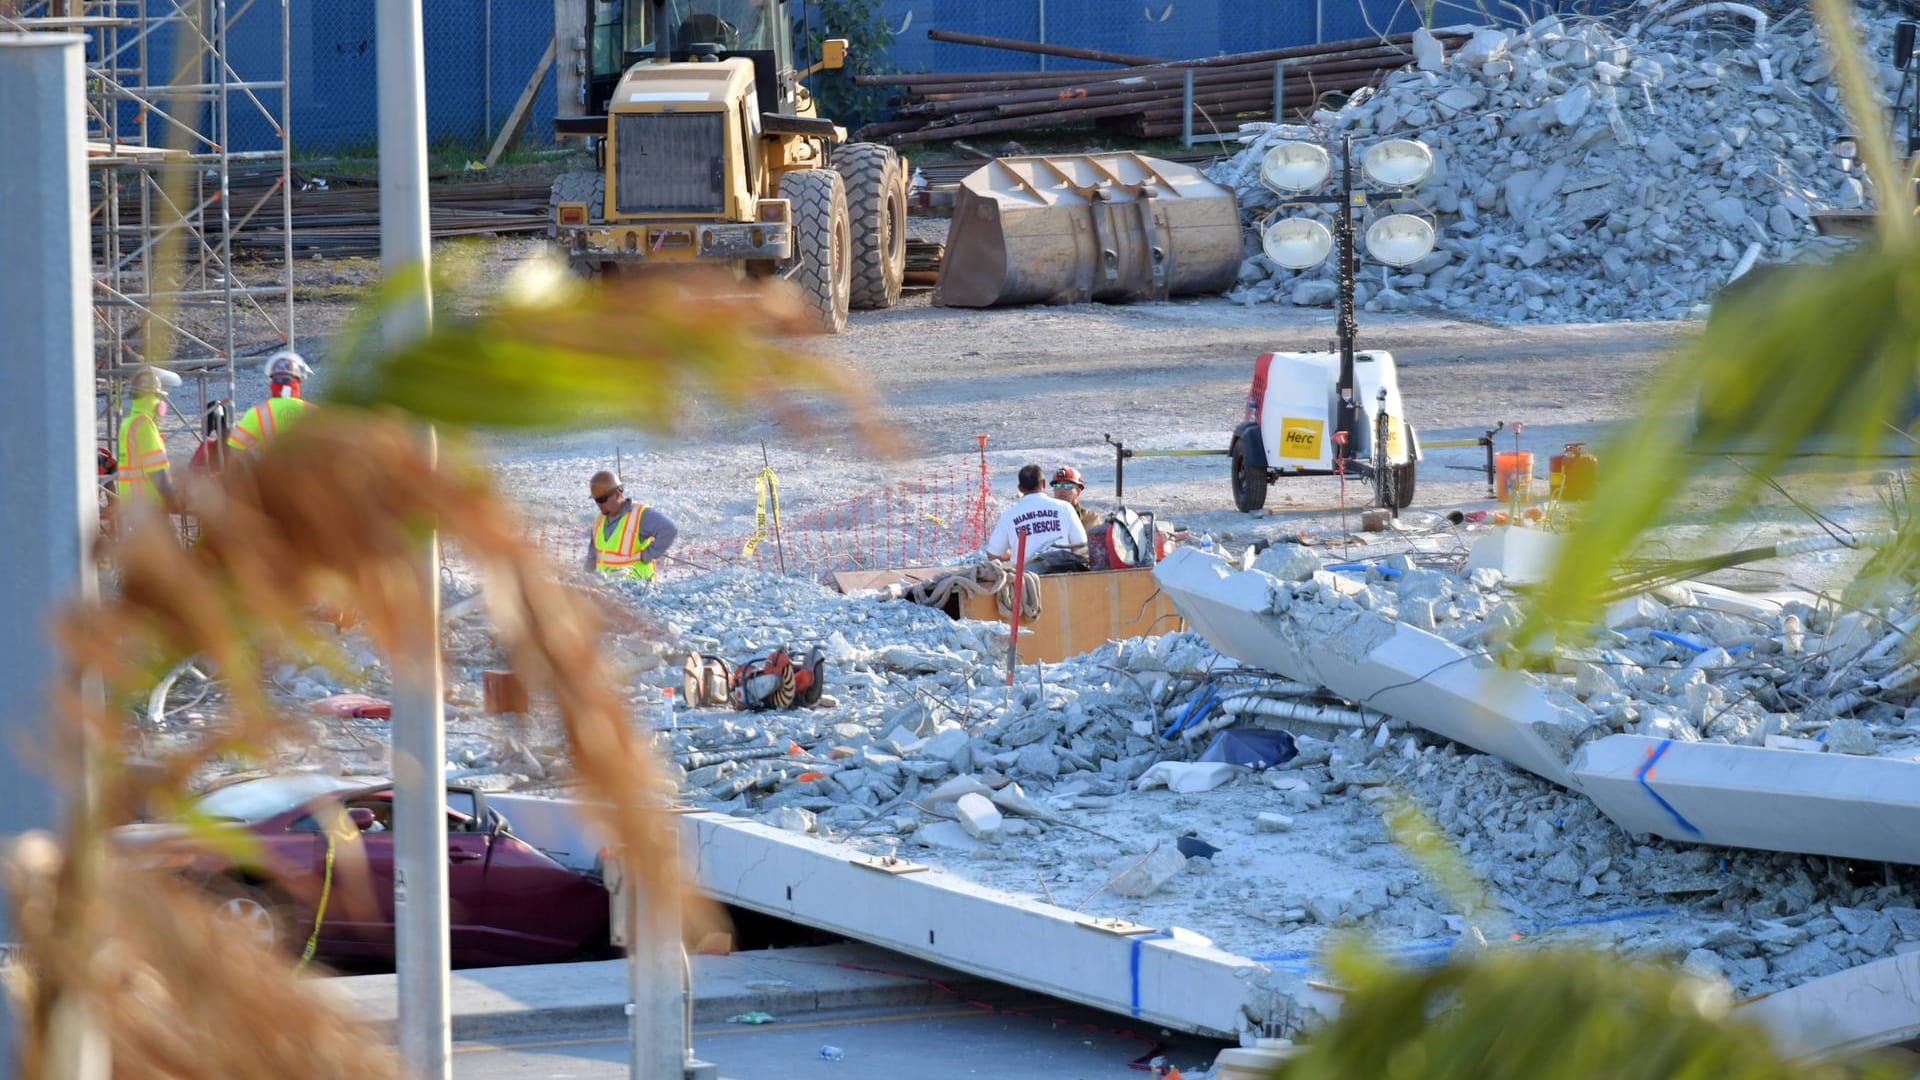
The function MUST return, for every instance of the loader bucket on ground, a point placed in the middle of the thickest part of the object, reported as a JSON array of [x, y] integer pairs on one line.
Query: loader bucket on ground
[[1071, 228]]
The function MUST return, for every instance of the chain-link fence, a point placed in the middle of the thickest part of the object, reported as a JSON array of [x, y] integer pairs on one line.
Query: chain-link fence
[[1171, 29], [479, 57], [480, 53]]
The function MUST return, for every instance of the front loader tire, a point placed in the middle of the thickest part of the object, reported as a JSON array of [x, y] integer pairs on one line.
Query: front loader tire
[[876, 181], [574, 187], [822, 240]]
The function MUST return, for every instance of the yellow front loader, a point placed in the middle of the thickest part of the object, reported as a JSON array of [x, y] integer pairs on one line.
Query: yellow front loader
[[708, 150]]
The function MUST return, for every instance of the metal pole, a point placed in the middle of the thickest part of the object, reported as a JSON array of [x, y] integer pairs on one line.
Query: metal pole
[[1348, 265], [1186, 108], [1319, 21], [773, 495], [659, 1031], [1279, 91], [1042, 5], [419, 738], [223, 108], [286, 165], [486, 65], [1019, 601], [46, 364]]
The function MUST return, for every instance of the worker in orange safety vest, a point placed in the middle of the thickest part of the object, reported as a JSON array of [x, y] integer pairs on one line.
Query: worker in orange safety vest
[[144, 479], [284, 407], [627, 538]]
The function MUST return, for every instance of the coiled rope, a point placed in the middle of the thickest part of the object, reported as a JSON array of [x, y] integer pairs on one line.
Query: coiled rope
[[979, 580]]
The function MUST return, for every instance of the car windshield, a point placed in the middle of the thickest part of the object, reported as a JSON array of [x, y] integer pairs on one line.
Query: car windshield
[[254, 800]]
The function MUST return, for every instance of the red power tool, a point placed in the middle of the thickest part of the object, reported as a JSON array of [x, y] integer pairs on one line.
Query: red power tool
[[780, 679]]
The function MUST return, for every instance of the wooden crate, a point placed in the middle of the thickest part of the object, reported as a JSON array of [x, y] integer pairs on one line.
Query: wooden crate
[[1081, 612]]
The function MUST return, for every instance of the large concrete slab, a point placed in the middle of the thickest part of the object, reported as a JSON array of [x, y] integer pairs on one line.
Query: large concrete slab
[[1407, 673], [1162, 975], [1711, 793], [1753, 797], [1865, 1008]]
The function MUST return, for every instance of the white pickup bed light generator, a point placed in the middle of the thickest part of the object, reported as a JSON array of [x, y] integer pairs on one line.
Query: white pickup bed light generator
[[1293, 427]]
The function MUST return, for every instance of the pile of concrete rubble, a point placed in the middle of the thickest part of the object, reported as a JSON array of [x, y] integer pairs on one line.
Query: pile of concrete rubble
[[916, 697], [1050, 788], [923, 750], [1590, 171]]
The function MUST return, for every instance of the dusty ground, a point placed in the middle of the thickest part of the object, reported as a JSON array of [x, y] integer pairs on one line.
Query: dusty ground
[[1046, 384]]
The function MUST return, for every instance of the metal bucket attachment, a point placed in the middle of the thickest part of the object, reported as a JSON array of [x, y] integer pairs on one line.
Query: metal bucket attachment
[[1072, 228]]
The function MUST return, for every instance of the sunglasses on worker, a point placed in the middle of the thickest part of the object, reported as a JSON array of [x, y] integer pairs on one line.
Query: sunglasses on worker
[[602, 499]]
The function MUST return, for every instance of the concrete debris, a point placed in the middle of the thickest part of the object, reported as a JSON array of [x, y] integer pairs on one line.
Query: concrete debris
[[1186, 776], [1583, 175], [978, 816], [792, 819], [1139, 876], [928, 750], [1272, 823]]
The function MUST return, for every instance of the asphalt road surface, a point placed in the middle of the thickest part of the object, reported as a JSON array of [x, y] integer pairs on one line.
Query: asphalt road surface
[[1050, 1041]]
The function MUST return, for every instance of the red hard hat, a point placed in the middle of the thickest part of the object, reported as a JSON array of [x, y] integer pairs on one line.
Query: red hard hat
[[1067, 474]]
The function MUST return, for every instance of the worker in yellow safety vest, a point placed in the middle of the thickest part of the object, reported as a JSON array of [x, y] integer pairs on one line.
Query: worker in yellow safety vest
[[144, 479], [284, 407], [627, 538]]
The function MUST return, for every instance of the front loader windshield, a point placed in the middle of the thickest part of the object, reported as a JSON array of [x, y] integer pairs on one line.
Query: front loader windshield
[[734, 25]]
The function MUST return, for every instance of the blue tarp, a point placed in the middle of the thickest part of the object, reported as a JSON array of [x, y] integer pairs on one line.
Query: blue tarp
[[1255, 747]]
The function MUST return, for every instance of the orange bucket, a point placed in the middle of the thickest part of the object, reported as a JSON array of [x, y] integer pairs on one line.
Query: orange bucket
[[1513, 475]]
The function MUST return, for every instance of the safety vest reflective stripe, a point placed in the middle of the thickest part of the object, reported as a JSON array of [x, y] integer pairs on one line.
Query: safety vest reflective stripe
[[620, 550], [261, 424], [625, 551], [143, 457]]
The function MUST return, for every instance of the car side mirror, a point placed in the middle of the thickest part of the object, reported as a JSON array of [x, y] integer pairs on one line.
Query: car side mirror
[[361, 817], [1903, 43], [833, 54]]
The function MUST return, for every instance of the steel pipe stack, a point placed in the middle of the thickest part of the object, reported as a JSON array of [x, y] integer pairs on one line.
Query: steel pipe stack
[[1140, 99]]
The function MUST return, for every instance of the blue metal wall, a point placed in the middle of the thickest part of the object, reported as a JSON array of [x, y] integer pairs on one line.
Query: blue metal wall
[[1167, 29], [332, 68], [332, 59]]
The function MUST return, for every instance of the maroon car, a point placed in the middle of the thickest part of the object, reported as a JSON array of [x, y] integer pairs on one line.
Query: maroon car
[[508, 902]]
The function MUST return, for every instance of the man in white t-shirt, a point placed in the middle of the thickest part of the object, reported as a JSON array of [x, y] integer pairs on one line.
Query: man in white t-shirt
[[1047, 522]]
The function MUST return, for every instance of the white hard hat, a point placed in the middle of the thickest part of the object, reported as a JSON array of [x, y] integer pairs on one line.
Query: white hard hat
[[287, 364], [155, 381]]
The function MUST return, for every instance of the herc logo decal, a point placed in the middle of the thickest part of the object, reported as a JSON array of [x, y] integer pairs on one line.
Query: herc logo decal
[[1300, 438]]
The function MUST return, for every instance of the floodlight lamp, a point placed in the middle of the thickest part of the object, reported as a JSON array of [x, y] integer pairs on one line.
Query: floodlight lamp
[[1295, 166], [1400, 239], [1297, 243], [1401, 164]]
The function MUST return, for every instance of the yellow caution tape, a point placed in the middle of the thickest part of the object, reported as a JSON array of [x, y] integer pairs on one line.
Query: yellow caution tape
[[766, 488], [320, 913]]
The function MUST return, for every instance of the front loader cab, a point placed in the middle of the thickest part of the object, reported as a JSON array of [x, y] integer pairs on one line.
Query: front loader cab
[[696, 30]]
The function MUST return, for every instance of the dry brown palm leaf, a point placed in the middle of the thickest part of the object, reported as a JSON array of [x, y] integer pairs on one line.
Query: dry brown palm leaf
[[332, 519]]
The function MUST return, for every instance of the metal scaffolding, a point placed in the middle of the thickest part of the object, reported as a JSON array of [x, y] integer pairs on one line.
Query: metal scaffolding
[[169, 190]]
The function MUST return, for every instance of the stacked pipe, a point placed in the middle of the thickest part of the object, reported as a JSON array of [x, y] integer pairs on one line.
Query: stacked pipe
[[344, 220], [1144, 98]]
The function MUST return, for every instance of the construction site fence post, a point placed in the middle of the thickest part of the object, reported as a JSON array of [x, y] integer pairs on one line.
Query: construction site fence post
[[1279, 91], [46, 364], [1041, 13], [1186, 109]]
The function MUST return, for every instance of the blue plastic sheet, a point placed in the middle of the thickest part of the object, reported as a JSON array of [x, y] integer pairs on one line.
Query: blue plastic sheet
[[1254, 747]]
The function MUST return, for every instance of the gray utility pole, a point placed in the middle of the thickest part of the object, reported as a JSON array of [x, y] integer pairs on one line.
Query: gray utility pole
[[46, 364], [419, 739], [659, 982]]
